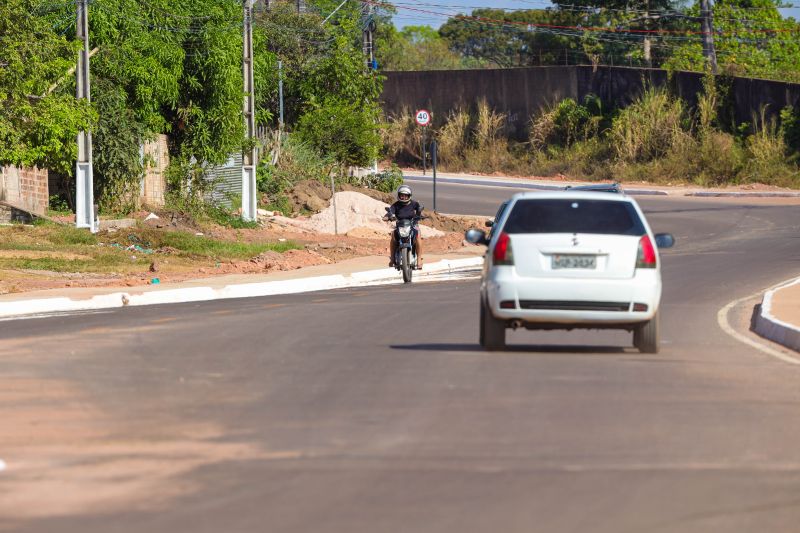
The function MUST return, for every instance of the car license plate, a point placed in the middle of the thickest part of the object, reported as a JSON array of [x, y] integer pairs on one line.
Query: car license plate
[[574, 261]]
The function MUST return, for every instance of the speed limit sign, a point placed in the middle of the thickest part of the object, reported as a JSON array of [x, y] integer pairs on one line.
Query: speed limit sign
[[423, 118]]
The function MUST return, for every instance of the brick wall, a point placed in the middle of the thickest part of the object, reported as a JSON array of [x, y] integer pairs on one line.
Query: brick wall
[[26, 188], [156, 159]]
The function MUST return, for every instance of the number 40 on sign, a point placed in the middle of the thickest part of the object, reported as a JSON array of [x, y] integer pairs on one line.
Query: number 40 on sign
[[423, 117]]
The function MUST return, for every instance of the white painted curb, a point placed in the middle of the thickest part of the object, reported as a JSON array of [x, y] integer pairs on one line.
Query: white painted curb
[[241, 290], [770, 327]]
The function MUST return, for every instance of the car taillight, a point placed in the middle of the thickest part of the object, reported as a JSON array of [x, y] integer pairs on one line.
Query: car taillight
[[503, 255], [646, 256]]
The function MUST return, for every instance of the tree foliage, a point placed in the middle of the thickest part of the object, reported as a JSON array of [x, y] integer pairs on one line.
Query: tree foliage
[[753, 39], [340, 101], [37, 126], [417, 48]]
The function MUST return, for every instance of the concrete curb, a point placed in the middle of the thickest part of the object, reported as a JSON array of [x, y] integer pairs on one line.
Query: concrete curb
[[23, 308], [770, 327]]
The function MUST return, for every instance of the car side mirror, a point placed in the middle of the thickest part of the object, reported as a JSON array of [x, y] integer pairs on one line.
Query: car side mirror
[[665, 240], [476, 236], [489, 223]]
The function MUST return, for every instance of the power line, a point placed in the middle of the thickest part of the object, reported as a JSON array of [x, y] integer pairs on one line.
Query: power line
[[620, 30]]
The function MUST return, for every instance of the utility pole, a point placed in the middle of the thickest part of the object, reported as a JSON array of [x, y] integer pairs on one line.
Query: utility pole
[[84, 180], [301, 6], [249, 192], [280, 95], [368, 35], [648, 58], [706, 17], [368, 28]]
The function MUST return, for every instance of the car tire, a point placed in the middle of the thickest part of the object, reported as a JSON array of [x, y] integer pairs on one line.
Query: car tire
[[646, 336], [492, 331]]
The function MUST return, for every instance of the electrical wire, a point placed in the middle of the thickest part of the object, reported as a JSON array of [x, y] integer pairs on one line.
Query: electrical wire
[[568, 27]]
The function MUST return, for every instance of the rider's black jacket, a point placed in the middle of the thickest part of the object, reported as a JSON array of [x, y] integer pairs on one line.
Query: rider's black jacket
[[410, 210]]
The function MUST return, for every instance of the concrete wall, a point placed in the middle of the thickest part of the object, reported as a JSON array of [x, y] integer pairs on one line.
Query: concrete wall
[[26, 188], [154, 183], [522, 92]]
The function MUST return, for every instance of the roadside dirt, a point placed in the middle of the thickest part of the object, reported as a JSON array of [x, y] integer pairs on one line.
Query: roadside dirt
[[316, 248]]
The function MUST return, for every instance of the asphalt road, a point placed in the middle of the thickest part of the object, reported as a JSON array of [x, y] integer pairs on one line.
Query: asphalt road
[[372, 410]]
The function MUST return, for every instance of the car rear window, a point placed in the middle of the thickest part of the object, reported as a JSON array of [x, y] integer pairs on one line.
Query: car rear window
[[574, 216]]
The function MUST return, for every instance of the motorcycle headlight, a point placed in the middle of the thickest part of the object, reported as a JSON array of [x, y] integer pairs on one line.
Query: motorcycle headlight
[[404, 231]]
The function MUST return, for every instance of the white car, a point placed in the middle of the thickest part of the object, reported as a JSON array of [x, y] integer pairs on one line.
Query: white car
[[572, 259]]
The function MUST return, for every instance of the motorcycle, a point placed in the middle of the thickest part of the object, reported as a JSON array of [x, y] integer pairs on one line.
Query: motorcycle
[[405, 235]]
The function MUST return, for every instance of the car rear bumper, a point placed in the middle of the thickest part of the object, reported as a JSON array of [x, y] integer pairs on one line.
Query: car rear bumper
[[573, 301]]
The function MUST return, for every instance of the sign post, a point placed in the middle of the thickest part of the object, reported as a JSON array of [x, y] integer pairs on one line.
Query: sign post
[[423, 118], [434, 150]]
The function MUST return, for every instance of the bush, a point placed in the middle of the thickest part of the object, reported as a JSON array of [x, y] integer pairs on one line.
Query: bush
[[296, 162], [766, 155], [346, 132], [387, 180], [649, 128], [566, 123], [58, 204]]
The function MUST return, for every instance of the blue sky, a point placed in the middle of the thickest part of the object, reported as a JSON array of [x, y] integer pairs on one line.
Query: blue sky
[[408, 17]]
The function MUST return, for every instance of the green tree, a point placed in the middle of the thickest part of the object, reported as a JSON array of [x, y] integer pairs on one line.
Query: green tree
[[416, 48], [753, 40], [340, 109], [38, 126]]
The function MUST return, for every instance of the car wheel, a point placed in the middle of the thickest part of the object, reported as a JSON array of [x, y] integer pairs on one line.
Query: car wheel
[[492, 331], [645, 336], [406, 260]]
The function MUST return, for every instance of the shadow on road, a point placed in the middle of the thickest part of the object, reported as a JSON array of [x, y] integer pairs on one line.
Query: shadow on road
[[518, 348]]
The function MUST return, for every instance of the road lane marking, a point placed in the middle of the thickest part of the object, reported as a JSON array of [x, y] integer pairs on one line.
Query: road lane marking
[[2, 465], [722, 319]]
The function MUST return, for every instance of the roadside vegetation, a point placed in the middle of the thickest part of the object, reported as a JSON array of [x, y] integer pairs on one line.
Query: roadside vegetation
[[59, 248], [659, 138], [172, 67]]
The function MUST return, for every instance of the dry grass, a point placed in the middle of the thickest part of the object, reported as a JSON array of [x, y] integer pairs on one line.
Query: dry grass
[[453, 140], [649, 128], [656, 139], [489, 151], [402, 138]]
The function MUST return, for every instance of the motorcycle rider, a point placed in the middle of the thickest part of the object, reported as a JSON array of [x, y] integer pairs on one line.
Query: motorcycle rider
[[404, 208]]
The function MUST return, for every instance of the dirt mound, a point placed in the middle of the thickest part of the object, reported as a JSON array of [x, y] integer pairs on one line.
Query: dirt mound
[[315, 196], [354, 210], [385, 197], [309, 195], [454, 223]]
